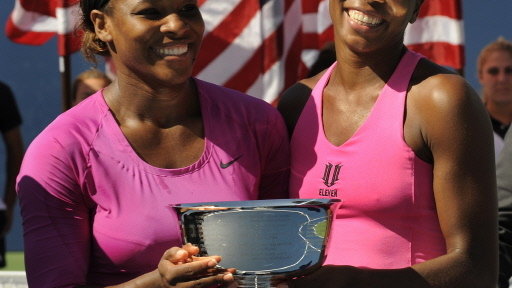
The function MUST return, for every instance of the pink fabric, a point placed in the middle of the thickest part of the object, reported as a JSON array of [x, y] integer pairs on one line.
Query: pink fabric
[[94, 212], [388, 216]]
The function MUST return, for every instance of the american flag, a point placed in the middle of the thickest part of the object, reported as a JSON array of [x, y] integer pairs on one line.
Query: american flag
[[439, 33], [260, 47], [34, 22], [252, 45]]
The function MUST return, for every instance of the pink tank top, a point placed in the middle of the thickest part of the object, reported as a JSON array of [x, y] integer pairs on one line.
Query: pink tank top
[[387, 218]]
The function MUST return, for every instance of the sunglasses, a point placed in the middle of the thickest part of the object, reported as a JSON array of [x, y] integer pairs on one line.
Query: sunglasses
[[495, 70]]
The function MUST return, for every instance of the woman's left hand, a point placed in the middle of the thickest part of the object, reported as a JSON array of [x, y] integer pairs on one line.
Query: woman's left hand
[[179, 267]]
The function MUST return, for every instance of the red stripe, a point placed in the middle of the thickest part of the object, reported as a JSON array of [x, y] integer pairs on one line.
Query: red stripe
[[46, 7], [442, 53], [260, 62], [273, 48], [69, 43], [219, 39], [266, 56], [293, 69], [26, 37], [449, 8], [317, 41], [310, 6], [244, 78]]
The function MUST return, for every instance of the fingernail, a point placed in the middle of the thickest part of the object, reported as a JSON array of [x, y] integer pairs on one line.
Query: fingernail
[[212, 263], [180, 253], [228, 277]]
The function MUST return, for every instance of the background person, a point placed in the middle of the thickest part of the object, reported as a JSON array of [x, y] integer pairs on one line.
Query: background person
[[10, 122], [96, 184], [495, 75], [87, 83], [393, 135]]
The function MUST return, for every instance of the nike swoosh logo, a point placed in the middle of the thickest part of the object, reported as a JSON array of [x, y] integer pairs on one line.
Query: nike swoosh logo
[[226, 165]]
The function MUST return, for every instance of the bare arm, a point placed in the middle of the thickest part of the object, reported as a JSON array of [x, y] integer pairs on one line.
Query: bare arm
[[457, 131], [446, 124]]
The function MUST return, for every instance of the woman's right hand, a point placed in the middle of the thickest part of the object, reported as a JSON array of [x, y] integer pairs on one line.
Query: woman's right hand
[[179, 267]]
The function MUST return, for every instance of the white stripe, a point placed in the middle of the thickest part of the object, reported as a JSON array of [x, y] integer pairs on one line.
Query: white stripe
[[31, 21], [267, 88], [325, 18], [230, 61], [36, 22], [272, 83], [317, 22], [273, 77], [435, 29], [214, 12], [272, 15], [309, 23], [67, 18], [309, 56], [292, 25]]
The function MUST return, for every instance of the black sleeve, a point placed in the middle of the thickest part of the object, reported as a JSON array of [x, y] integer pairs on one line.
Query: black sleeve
[[9, 114], [291, 103]]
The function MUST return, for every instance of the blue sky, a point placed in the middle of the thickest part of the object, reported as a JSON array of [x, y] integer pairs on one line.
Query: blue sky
[[32, 72]]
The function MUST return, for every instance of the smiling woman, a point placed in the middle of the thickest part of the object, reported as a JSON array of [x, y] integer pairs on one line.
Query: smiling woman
[[373, 128], [110, 167]]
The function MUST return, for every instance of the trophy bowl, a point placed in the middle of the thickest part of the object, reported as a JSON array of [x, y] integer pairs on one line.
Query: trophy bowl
[[265, 240]]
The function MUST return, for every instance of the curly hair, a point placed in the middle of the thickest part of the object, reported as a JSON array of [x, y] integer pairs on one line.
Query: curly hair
[[91, 44]]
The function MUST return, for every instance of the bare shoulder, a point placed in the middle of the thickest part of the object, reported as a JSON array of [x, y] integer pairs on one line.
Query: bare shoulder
[[436, 91], [439, 85], [442, 108]]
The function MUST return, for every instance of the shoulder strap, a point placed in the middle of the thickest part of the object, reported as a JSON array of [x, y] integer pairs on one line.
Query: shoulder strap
[[292, 103]]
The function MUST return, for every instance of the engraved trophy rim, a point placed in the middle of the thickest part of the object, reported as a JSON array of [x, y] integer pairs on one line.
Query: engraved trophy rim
[[267, 203]]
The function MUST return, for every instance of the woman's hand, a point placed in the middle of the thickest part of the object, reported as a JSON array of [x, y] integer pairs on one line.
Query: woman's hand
[[180, 268]]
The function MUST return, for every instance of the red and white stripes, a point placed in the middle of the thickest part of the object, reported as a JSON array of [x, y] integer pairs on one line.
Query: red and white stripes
[[260, 47], [35, 22], [251, 45], [439, 33]]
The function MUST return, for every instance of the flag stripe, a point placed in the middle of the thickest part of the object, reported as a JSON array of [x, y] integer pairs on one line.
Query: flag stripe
[[214, 12], [256, 46], [445, 54], [226, 32], [435, 29], [263, 52], [219, 68], [446, 8], [36, 22], [23, 37]]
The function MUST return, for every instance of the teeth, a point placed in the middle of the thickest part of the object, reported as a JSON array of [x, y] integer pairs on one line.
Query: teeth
[[364, 19], [176, 50]]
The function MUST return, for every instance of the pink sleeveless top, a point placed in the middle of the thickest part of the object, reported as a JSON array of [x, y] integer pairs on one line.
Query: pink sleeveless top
[[387, 218]]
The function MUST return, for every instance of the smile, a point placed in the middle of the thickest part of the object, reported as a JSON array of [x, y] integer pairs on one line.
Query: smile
[[364, 19], [176, 50]]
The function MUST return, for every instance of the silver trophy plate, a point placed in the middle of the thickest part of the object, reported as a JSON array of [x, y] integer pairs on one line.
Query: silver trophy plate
[[262, 239]]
